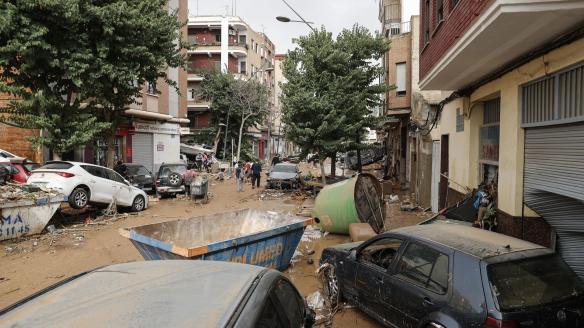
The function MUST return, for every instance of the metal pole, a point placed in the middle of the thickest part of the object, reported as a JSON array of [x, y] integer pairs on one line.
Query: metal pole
[[297, 14], [226, 134]]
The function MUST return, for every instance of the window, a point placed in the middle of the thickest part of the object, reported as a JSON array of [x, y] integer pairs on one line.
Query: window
[[114, 176], [427, 21], [425, 267], [95, 171], [459, 121], [400, 80], [243, 39], [218, 37], [242, 67], [151, 88], [489, 141], [57, 166], [381, 252], [291, 302], [191, 94], [269, 317], [439, 11]]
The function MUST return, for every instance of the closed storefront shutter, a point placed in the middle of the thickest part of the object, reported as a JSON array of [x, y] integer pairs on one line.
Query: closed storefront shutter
[[143, 150], [554, 185]]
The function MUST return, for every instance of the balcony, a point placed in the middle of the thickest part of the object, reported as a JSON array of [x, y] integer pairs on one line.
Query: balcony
[[391, 13], [237, 49], [395, 29], [505, 31], [198, 104]]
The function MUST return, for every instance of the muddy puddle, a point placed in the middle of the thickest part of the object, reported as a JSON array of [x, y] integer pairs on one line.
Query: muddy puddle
[[302, 273]]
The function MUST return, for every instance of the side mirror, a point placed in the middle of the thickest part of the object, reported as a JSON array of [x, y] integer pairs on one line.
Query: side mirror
[[353, 255]]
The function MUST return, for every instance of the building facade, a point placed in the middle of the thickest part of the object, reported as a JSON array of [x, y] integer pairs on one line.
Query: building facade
[[516, 119], [246, 54]]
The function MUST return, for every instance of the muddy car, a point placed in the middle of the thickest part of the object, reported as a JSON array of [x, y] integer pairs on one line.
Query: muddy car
[[140, 177], [283, 175], [169, 179], [170, 293], [447, 275]]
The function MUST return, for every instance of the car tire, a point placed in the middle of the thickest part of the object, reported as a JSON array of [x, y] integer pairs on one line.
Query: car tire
[[79, 198], [139, 204], [331, 288], [175, 180]]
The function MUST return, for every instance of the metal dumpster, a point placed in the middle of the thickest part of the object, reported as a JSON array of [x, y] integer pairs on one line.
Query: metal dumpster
[[255, 237], [27, 216], [358, 199]]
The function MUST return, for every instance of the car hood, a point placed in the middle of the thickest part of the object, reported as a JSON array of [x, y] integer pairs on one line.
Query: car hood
[[346, 247], [282, 175]]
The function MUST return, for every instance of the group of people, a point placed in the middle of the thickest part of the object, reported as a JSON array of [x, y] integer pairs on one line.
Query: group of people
[[248, 172], [203, 162]]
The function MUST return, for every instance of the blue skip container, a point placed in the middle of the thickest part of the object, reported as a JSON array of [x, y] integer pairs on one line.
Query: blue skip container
[[261, 238]]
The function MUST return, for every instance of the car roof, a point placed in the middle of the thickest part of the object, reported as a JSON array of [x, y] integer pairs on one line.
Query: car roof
[[171, 293], [473, 241]]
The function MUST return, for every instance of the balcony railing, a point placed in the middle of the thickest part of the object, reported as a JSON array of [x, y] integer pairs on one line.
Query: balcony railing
[[195, 43], [397, 28], [392, 13]]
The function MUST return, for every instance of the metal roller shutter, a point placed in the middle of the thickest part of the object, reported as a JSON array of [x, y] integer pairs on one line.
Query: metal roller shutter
[[554, 185], [143, 150]]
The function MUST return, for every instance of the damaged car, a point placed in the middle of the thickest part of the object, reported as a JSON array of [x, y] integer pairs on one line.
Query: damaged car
[[284, 175], [449, 276], [171, 293]]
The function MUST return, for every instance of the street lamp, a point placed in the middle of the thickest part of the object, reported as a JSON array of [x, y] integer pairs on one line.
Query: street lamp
[[284, 19]]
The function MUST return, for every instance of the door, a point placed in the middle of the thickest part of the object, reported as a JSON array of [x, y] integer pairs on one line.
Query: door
[[444, 160], [373, 262], [419, 284], [120, 190], [99, 184], [554, 185], [435, 175], [143, 150]]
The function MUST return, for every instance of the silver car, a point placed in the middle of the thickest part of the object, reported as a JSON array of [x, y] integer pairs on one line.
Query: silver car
[[284, 175]]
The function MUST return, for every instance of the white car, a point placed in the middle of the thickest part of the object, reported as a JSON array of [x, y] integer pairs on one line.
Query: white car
[[86, 183], [6, 154]]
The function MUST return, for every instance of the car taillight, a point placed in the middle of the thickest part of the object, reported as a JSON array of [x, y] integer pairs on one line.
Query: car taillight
[[157, 183], [65, 174], [496, 323]]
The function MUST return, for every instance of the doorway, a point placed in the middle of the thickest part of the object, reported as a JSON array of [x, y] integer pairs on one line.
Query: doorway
[[444, 161]]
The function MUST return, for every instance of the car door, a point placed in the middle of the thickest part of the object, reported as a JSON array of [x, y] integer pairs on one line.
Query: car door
[[120, 189], [99, 184], [371, 281], [420, 283]]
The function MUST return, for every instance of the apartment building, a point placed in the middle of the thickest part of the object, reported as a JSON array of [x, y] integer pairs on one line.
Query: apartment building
[[247, 54], [516, 118]]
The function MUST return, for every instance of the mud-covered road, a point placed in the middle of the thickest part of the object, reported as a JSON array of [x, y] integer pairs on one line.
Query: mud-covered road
[[29, 265]]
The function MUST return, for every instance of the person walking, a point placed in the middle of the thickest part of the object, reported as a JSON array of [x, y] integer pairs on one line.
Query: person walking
[[239, 176], [256, 171]]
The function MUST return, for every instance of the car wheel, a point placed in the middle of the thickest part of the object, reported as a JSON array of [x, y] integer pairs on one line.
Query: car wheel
[[331, 288], [175, 180], [79, 198], [138, 204]]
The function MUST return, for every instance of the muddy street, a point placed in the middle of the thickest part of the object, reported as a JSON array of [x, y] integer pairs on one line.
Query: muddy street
[[35, 262]]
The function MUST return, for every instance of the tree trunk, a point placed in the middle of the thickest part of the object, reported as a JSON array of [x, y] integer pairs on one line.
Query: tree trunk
[[111, 149], [239, 138], [56, 156], [334, 165], [359, 168], [322, 173], [216, 142]]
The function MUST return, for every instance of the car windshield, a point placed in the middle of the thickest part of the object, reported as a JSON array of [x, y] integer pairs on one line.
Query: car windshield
[[31, 166], [284, 168], [532, 282], [136, 170], [167, 169], [57, 166]]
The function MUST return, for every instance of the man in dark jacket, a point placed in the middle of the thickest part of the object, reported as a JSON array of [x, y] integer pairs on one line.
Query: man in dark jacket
[[121, 168], [256, 171]]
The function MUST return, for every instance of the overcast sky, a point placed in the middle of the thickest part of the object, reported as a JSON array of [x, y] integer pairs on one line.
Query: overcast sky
[[335, 15]]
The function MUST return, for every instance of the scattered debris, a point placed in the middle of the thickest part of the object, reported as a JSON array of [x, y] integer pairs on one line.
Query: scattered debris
[[310, 252], [315, 301], [391, 199], [13, 192], [51, 228], [309, 261], [408, 207]]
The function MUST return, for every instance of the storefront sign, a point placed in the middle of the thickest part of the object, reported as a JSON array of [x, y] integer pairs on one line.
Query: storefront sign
[[164, 128]]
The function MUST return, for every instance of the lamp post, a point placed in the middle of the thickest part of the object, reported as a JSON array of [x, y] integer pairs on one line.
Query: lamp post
[[284, 19]]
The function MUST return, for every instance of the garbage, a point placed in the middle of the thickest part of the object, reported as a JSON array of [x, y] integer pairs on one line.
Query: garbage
[[315, 301], [392, 199], [311, 233], [408, 207], [12, 192], [309, 261], [51, 228], [310, 252]]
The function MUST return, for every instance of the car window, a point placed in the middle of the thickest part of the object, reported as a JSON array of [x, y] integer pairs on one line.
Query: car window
[[112, 175], [95, 171], [269, 317], [167, 169], [425, 267], [31, 166], [57, 166], [143, 171], [284, 168], [5, 154], [292, 305], [380, 253], [533, 282]]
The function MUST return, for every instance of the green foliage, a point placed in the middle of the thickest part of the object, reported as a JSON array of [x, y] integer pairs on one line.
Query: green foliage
[[242, 101], [332, 86], [71, 63]]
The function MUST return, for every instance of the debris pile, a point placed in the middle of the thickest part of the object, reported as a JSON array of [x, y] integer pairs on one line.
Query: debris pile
[[13, 192]]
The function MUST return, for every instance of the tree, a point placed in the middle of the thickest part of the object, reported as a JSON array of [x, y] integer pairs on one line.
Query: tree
[[74, 65], [241, 104], [330, 90]]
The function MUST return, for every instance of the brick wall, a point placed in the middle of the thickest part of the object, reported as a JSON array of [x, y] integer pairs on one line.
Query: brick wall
[[14, 140], [399, 53], [456, 22]]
